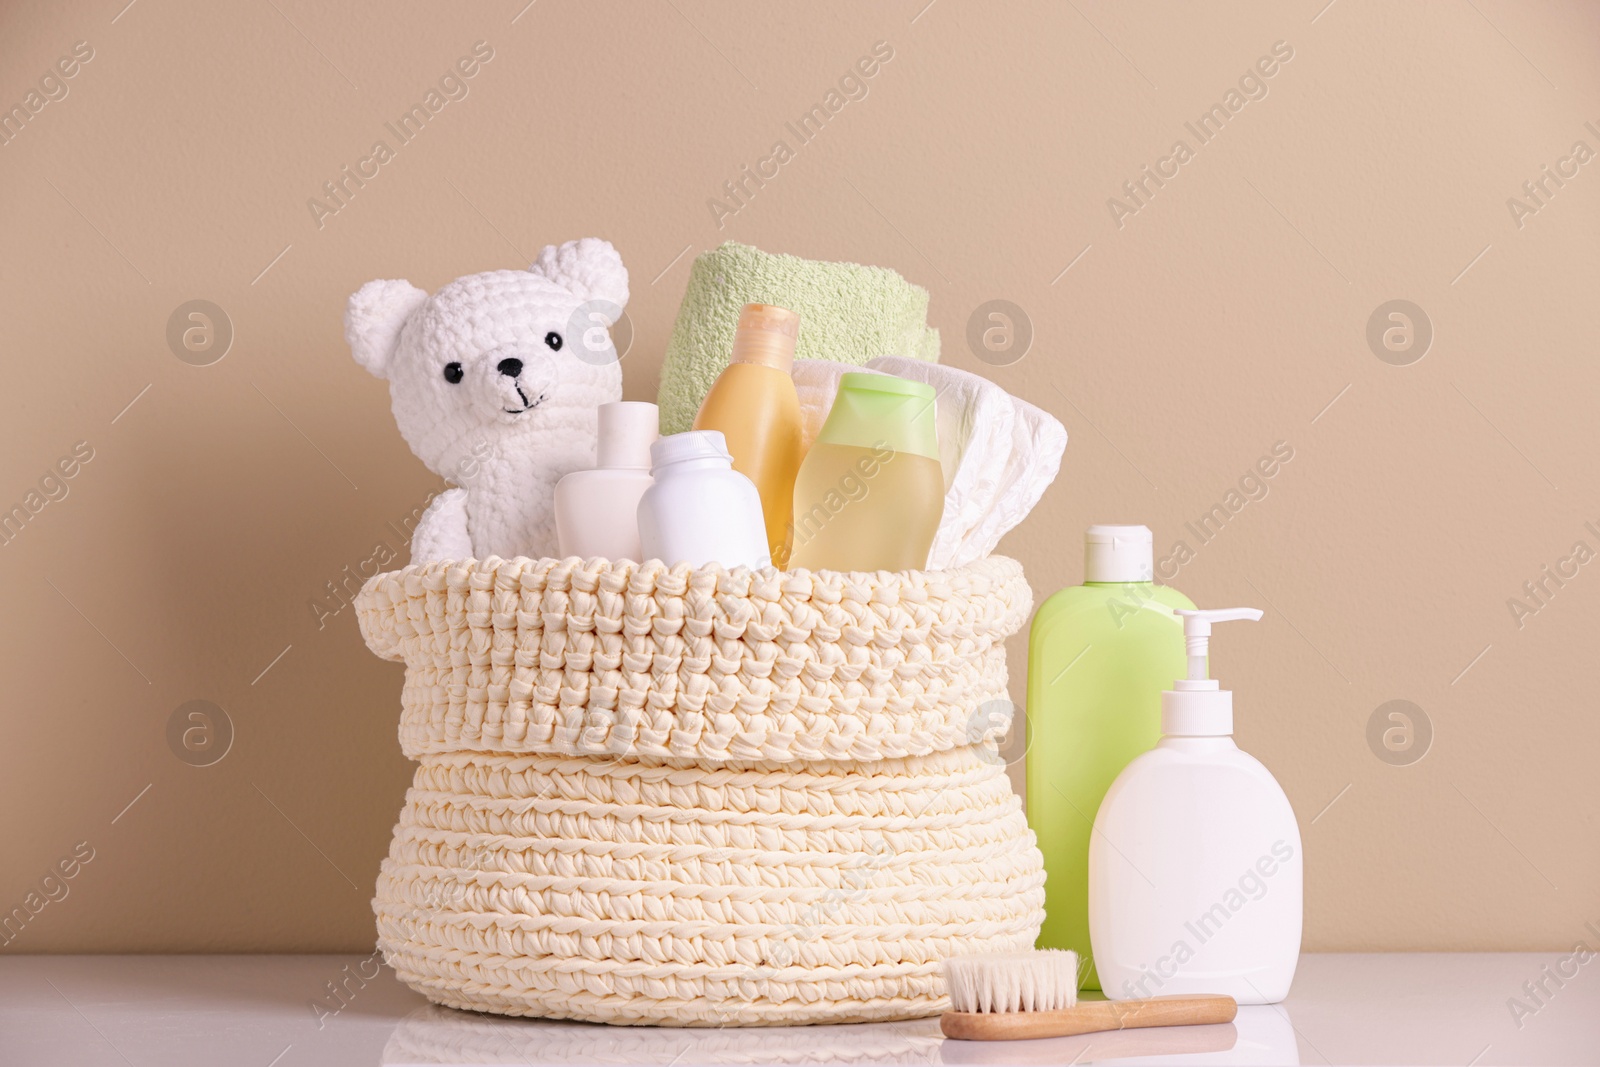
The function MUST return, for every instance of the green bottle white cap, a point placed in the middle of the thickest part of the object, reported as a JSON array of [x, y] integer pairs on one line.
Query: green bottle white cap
[[1118, 554]]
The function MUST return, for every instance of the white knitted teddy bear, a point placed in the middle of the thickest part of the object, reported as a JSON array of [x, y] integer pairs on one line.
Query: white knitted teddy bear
[[496, 380]]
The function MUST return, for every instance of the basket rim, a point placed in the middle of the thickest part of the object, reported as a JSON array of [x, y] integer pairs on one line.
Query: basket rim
[[705, 663], [727, 581]]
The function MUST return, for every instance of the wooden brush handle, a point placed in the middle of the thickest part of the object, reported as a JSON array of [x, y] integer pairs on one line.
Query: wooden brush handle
[[1090, 1016]]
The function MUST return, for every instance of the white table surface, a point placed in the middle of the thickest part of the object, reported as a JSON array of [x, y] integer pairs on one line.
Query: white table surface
[[256, 1011]]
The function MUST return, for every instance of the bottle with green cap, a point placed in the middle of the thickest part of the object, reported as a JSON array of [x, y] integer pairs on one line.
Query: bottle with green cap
[[870, 492]]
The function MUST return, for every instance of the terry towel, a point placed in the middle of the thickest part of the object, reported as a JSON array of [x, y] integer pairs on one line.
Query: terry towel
[[849, 313], [999, 453]]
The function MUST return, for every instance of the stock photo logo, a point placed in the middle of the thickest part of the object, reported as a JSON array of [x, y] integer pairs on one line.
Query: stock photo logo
[[52, 87], [1538, 592], [52, 888], [1539, 992], [600, 332], [200, 733], [999, 333], [1206, 127], [454, 85], [1399, 332], [1399, 733], [992, 725], [1252, 486], [199, 332], [853, 85], [54, 486], [1537, 193]]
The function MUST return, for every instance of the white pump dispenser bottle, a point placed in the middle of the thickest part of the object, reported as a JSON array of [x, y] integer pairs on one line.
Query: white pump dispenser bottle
[[1195, 866]]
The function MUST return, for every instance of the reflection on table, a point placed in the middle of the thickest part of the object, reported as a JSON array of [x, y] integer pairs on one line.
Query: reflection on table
[[435, 1035]]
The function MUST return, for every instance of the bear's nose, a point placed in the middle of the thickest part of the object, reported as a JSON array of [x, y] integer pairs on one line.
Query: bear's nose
[[510, 367]]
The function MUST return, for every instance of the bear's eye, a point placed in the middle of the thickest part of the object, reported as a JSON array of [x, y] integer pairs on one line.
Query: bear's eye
[[553, 339], [452, 373]]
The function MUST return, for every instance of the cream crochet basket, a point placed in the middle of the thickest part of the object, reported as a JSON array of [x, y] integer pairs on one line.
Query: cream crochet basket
[[654, 795]]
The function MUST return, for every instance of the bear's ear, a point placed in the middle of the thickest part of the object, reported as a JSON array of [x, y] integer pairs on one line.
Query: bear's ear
[[590, 269], [374, 318]]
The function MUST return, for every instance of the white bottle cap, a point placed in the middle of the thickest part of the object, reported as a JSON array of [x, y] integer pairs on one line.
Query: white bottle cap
[[689, 445], [1118, 554], [627, 430], [1196, 706]]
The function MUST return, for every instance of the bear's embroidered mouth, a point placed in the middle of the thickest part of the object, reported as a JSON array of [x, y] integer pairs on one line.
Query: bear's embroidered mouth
[[527, 405]]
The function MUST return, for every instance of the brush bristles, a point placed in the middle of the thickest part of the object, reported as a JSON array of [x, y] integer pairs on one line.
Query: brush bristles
[[1044, 980]]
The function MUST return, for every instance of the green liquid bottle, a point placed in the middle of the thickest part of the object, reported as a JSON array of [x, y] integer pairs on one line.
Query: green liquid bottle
[[1099, 655]]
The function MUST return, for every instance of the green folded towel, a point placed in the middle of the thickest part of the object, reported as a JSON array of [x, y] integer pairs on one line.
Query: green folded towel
[[848, 313]]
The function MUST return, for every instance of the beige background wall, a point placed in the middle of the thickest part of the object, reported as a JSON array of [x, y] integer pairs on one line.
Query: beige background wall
[[1227, 314]]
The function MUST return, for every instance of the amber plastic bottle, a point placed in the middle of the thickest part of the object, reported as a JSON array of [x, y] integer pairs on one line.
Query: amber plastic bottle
[[755, 406]]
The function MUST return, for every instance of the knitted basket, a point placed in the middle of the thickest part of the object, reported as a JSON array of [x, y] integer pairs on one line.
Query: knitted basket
[[700, 797]]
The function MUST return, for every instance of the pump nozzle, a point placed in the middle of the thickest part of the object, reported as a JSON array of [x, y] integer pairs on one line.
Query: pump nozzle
[[1196, 706], [1197, 633]]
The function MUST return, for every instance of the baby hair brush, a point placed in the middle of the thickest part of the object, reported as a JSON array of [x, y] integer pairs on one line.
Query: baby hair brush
[[1012, 995]]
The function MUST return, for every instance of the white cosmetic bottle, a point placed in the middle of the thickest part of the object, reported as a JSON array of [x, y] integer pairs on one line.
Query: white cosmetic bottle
[[700, 510], [1195, 868], [597, 510]]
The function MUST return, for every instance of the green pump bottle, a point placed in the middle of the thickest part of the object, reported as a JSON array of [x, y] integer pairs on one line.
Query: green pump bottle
[[1099, 655]]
